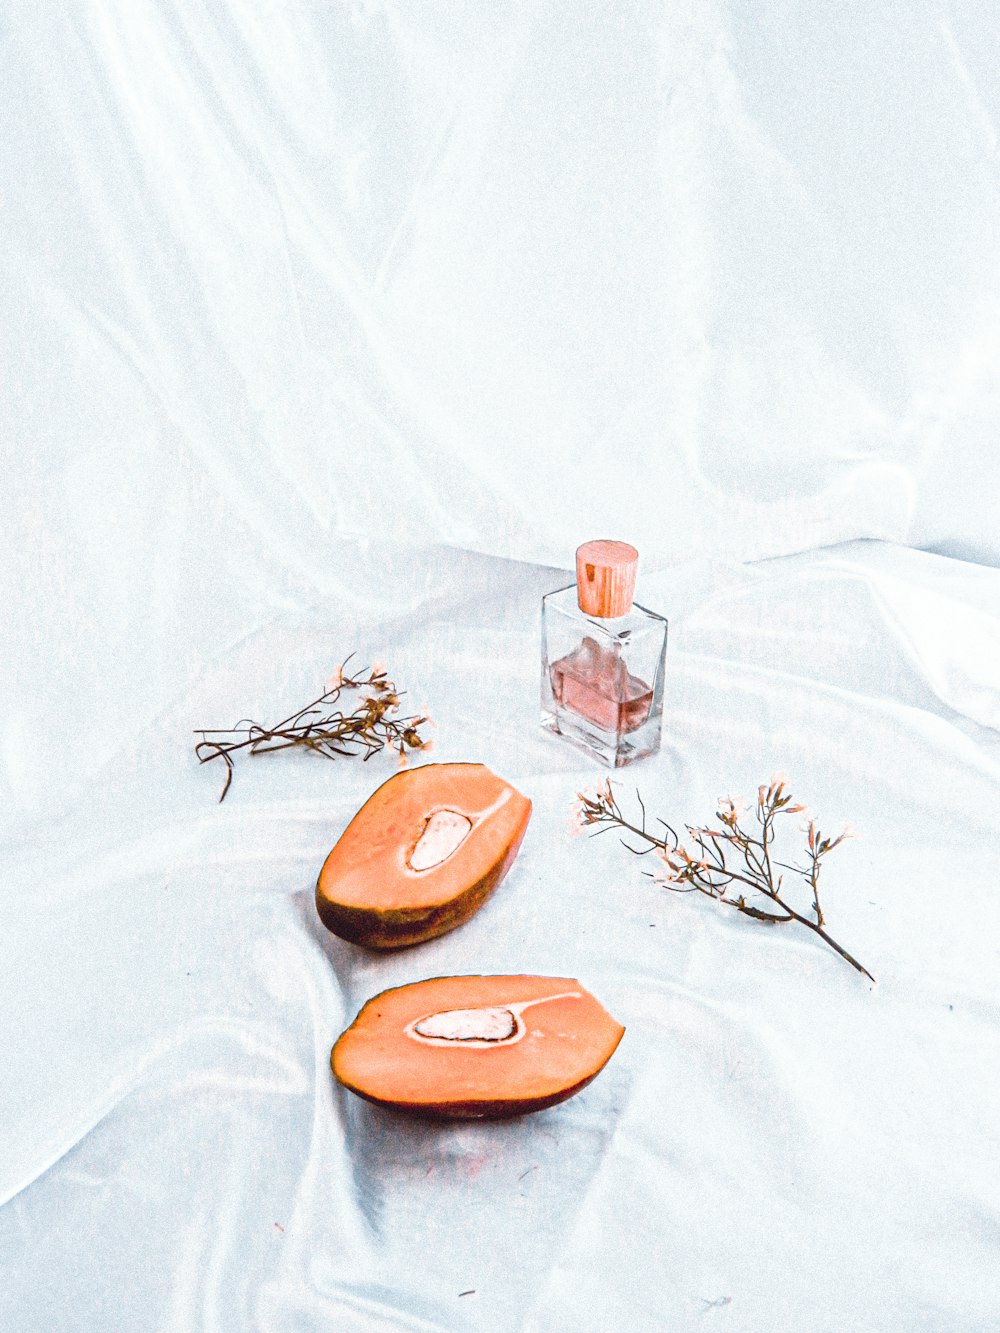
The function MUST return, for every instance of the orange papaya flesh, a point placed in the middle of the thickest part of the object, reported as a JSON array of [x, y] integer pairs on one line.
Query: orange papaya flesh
[[476, 1047], [422, 855]]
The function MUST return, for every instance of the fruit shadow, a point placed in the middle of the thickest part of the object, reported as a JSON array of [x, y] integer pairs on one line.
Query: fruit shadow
[[471, 1188]]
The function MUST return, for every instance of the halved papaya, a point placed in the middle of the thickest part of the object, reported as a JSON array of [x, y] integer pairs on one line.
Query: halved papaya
[[476, 1047], [422, 854]]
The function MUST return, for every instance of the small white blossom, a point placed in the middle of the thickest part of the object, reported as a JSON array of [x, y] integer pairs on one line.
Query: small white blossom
[[734, 805]]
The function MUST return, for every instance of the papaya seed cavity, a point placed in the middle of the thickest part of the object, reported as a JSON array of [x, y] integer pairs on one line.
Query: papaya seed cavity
[[443, 834], [494, 1024]]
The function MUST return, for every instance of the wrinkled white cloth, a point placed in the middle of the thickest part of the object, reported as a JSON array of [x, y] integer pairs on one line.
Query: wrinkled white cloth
[[776, 1143], [335, 327]]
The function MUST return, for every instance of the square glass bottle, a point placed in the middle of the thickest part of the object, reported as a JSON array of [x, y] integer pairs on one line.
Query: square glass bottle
[[603, 659]]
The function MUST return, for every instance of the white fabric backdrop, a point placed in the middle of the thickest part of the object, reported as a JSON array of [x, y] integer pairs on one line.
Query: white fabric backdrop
[[335, 326], [748, 250]]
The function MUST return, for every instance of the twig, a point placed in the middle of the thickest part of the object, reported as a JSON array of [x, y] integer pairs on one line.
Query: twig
[[712, 868], [324, 728]]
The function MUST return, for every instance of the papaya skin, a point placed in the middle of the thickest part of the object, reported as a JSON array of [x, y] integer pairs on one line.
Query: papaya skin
[[565, 1039], [505, 1108], [398, 925]]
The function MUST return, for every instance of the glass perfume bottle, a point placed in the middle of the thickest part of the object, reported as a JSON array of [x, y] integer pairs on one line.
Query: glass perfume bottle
[[603, 659]]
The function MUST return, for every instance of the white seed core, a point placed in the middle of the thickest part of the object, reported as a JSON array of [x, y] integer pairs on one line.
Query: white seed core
[[494, 1024], [491, 1026], [443, 834]]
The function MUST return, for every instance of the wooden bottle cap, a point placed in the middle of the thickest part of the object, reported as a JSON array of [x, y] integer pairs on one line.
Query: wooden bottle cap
[[605, 578]]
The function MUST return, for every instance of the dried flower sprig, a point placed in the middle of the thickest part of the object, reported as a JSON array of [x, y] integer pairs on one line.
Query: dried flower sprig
[[716, 860], [323, 727]]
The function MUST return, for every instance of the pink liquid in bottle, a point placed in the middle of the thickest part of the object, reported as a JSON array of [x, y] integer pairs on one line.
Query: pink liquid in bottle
[[595, 683]]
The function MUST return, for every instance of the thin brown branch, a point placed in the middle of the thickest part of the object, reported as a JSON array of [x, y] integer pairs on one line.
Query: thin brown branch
[[707, 869], [323, 727]]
